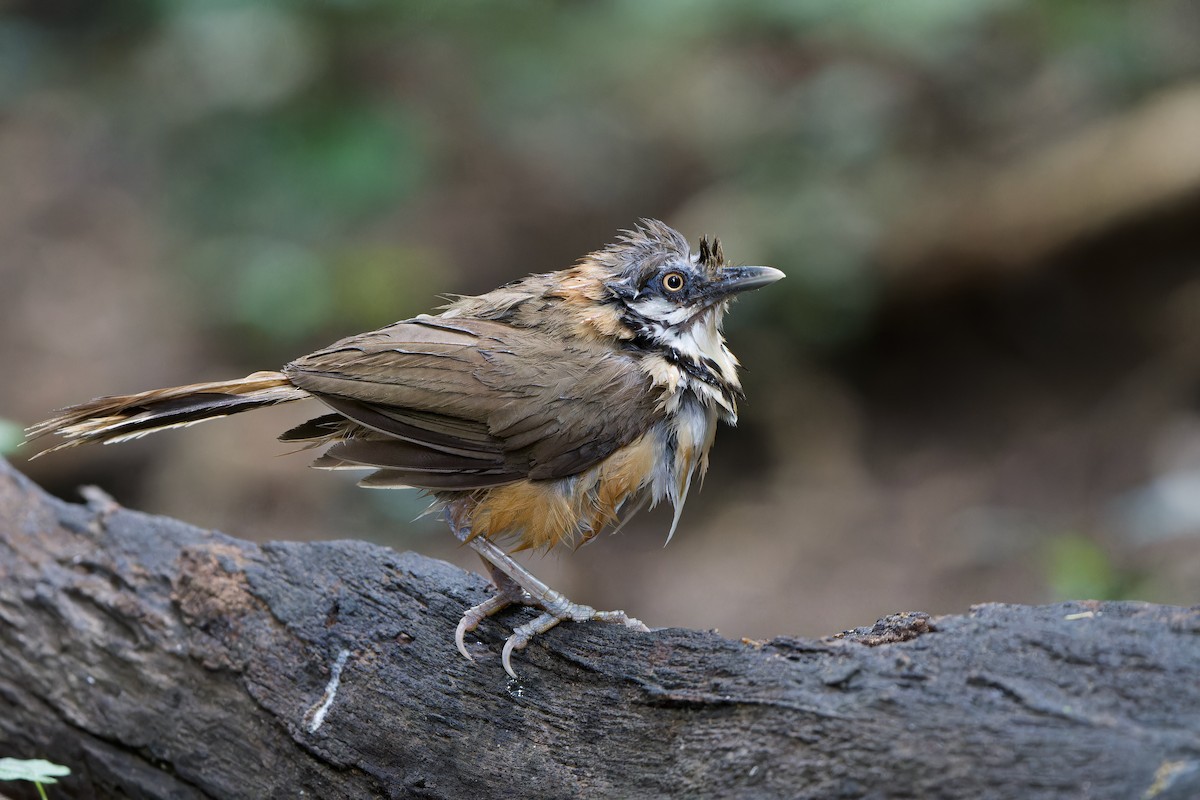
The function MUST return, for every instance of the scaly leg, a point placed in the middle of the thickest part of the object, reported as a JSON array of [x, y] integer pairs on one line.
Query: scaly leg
[[514, 578]]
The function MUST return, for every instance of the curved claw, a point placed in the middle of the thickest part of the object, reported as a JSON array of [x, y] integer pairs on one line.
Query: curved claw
[[477, 614], [460, 637], [506, 656], [523, 634]]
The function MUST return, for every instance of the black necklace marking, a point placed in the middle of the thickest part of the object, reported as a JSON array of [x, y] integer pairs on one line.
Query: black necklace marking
[[706, 370]]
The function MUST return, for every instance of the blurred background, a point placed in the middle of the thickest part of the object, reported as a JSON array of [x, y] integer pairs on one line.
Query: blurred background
[[980, 381]]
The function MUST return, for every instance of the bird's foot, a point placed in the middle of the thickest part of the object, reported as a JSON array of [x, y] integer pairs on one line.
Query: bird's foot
[[562, 611], [559, 610], [508, 594], [516, 585]]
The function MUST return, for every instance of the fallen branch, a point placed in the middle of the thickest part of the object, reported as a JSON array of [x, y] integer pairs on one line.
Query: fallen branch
[[159, 660]]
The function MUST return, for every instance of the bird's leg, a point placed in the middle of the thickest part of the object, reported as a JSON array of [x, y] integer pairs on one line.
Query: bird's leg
[[515, 584], [556, 606]]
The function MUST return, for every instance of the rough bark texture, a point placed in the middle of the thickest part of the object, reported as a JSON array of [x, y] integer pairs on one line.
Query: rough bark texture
[[159, 660]]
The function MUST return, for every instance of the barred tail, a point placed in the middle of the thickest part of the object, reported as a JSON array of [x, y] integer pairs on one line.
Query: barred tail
[[118, 419]]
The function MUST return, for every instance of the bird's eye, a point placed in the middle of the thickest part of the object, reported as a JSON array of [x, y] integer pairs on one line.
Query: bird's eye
[[673, 281]]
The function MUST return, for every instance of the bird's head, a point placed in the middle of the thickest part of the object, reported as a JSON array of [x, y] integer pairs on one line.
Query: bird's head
[[661, 283], [654, 286], [647, 286]]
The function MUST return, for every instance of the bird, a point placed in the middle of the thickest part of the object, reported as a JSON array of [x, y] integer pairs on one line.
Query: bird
[[535, 415]]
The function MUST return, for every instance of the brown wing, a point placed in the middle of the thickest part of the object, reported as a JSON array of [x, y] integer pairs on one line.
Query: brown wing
[[464, 403]]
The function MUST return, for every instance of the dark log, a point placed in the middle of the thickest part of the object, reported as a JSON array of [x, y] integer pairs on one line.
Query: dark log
[[159, 660]]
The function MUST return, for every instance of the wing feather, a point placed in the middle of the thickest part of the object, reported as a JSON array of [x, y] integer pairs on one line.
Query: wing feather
[[478, 399]]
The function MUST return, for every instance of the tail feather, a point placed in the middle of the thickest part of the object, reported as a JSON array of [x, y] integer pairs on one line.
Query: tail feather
[[118, 419]]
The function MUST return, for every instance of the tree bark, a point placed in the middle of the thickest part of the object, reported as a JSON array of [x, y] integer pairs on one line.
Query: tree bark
[[159, 660]]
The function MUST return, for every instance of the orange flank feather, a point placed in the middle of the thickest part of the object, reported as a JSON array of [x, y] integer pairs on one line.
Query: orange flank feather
[[622, 474], [538, 512], [542, 514]]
